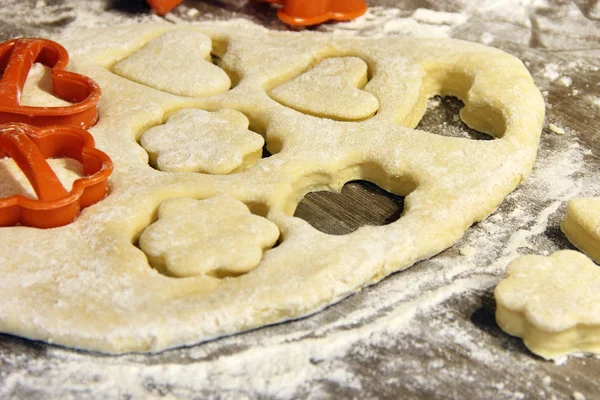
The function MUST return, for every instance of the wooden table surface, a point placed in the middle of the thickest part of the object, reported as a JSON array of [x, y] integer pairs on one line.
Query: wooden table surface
[[453, 349]]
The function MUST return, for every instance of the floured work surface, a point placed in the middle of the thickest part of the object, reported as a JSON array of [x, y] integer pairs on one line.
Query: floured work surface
[[422, 331], [218, 248]]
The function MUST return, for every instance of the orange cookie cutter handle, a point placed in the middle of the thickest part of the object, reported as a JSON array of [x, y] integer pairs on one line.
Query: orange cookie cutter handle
[[162, 7], [312, 12], [30, 146], [16, 59]]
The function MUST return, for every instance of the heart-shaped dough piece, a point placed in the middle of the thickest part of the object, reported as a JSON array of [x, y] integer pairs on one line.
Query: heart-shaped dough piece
[[331, 90], [162, 65]]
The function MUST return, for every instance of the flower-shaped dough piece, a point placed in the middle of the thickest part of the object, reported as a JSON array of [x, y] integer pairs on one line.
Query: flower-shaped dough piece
[[194, 140], [553, 303], [582, 225], [218, 237], [162, 64], [330, 90]]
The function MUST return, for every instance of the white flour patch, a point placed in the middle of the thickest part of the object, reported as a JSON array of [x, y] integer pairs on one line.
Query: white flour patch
[[381, 21], [487, 38], [566, 81], [551, 71], [403, 323]]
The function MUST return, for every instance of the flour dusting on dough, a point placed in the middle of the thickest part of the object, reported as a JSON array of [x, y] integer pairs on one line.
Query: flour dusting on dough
[[315, 357]]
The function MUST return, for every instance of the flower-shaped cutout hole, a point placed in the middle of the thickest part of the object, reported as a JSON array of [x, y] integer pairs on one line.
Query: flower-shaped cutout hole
[[178, 62], [194, 140], [442, 118], [358, 204], [331, 89], [217, 237]]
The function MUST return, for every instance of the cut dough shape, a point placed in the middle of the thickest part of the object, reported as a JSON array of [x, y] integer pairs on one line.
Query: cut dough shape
[[332, 89], [582, 225], [217, 237], [177, 62], [88, 285], [194, 140], [552, 302]]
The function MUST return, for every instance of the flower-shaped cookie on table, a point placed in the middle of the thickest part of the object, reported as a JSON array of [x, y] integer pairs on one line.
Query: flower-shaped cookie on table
[[582, 225], [332, 89], [162, 65], [217, 237], [194, 140], [552, 302]]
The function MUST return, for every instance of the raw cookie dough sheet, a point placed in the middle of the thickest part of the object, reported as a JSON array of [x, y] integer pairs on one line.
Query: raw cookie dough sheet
[[425, 331]]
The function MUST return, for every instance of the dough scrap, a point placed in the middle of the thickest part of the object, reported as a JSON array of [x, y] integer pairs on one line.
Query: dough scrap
[[552, 302], [194, 140], [88, 285], [582, 225], [331, 89], [163, 62], [216, 237]]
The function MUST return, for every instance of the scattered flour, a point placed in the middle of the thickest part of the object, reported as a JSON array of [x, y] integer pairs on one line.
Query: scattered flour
[[396, 325], [547, 381], [550, 71], [566, 81], [192, 12], [467, 251], [381, 21], [487, 38], [432, 17]]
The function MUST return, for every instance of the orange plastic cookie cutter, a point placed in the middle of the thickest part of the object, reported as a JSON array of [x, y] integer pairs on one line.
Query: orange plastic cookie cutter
[[16, 59], [29, 147], [162, 7], [312, 12]]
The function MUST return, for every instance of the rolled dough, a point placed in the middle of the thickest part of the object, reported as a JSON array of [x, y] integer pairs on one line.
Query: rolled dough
[[89, 285]]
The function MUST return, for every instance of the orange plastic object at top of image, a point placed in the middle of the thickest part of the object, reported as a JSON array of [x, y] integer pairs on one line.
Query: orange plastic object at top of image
[[162, 7], [29, 146], [295, 12], [312, 12], [16, 59]]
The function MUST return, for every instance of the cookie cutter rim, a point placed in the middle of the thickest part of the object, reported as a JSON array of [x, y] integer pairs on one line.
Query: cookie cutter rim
[[17, 57], [29, 146]]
